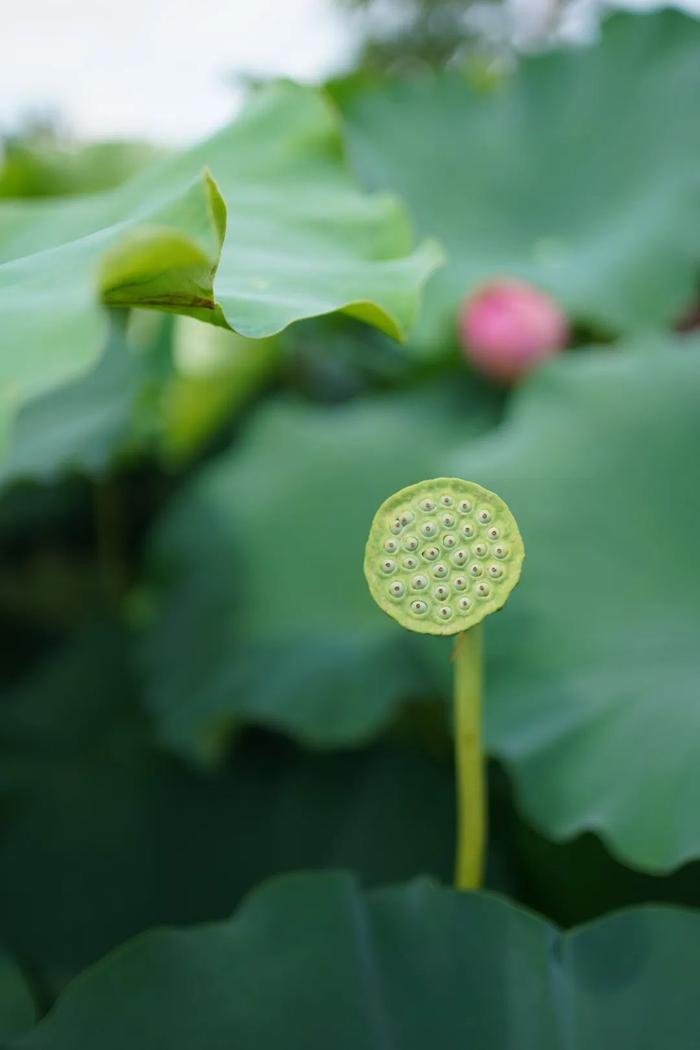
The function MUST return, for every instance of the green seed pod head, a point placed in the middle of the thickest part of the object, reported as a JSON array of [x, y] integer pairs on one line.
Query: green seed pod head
[[438, 592]]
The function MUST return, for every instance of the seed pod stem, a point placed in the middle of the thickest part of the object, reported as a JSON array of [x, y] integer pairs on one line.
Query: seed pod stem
[[469, 759], [429, 587]]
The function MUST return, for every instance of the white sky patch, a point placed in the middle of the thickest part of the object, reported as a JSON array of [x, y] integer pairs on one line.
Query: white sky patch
[[146, 68]]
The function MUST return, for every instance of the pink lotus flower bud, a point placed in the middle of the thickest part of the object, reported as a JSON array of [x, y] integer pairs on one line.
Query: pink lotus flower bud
[[506, 327]]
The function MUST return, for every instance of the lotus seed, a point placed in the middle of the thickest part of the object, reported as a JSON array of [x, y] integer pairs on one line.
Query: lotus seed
[[435, 555]]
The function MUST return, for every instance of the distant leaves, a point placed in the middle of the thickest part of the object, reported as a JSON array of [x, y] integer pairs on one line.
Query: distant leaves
[[560, 175], [17, 1010], [264, 613]]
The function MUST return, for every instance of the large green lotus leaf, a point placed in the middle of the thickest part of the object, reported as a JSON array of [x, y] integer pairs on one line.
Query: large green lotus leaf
[[311, 961], [102, 835], [17, 1010], [302, 240], [594, 666], [80, 425], [264, 610], [563, 174]]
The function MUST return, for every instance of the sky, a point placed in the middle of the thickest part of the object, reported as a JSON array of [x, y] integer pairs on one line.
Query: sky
[[165, 71], [156, 69]]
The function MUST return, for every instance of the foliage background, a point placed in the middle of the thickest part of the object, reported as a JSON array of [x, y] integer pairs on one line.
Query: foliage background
[[197, 692]]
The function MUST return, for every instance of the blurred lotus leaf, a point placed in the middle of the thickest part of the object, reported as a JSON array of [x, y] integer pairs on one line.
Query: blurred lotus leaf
[[560, 174]]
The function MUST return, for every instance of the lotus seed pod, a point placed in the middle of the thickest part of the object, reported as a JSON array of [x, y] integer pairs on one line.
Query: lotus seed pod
[[450, 592], [508, 326]]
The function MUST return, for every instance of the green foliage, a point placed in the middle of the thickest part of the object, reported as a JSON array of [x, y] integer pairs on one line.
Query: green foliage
[[263, 608], [594, 669], [43, 165], [17, 1011], [103, 835], [560, 175], [198, 693], [311, 955], [302, 241]]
